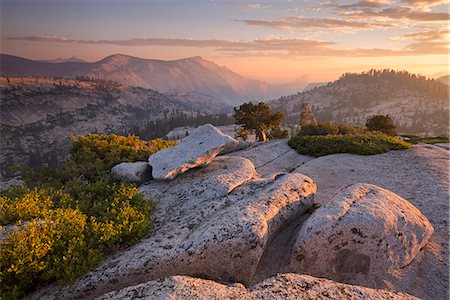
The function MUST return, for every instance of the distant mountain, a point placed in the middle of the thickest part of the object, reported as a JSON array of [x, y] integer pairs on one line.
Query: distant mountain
[[445, 79], [37, 115], [314, 85], [290, 87], [417, 104], [62, 60], [178, 76]]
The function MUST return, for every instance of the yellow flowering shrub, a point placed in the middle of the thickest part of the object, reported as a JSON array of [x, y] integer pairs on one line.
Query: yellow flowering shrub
[[72, 216], [23, 206]]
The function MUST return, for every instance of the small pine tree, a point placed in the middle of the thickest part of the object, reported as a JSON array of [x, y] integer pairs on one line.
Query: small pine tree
[[382, 123], [258, 117]]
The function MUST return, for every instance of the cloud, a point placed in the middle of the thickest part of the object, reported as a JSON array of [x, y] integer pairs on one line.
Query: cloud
[[391, 10], [434, 35], [135, 41], [430, 41], [423, 4], [398, 12], [291, 23], [257, 6], [272, 46], [363, 4]]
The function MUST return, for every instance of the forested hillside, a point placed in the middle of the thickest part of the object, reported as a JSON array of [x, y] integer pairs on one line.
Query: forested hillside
[[417, 104], [38, 115]]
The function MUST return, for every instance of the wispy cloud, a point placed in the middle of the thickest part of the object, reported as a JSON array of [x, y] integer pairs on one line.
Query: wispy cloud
[[398, 13], [423, 4], [433, 35], [291, 23], [272, 46], [257, 6], [430, 41], [362, 4]]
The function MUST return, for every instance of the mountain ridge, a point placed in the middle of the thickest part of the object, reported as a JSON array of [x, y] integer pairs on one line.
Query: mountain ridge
[[181, 75], [417, 104], [37, 115]]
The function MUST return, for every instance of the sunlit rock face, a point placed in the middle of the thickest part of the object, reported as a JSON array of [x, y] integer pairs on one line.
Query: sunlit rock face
[[280, 287], [215, 222], [197, 149], [365, 234], [135, 172]]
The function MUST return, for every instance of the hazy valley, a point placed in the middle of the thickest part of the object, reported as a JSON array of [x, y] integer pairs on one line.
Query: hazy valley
[[190, 75], [39, 113], [417, 105]]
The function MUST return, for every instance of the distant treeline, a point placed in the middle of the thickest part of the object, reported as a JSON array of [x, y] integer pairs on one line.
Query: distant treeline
[[151, 129], [432, 87]]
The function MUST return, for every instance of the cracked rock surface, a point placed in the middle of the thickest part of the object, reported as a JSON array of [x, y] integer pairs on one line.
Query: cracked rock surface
[[197, 149], [273, 156], [132, 172], [365, 234], [280, 287], [419, 175], [212, 222], [236, 219]]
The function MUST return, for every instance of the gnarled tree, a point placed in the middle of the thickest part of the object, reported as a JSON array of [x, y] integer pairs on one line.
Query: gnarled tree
[[258, 117]]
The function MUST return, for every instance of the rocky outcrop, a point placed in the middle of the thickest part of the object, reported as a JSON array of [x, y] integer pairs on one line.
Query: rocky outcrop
[[420, 175], [445, 146], [273, 156], [364, 232], [15, 182], [227, 222], [212, 222], [281, 287], [306, 115], [136, 172], [197, 149]]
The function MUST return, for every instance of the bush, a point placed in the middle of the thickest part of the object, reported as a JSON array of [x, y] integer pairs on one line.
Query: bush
[[71, 216], [241, 133], [93, 156], [66, 234], [43, 249], [364, 144], [415, 139], [383, 124], [349, 129], [322, 128], [278, 133]]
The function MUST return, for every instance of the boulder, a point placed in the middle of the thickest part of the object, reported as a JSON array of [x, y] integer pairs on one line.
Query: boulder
[[197, 149], [212, 222], [15, 182], [364, 233], [135, 172], [282, 287], [273, 156], [445, 146], [421, 176]]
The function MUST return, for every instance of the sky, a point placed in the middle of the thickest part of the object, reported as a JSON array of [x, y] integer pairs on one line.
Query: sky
[[277, 41]]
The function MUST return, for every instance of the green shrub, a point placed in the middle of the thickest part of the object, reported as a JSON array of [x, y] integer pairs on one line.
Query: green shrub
[[415, 139], [383, 124], [63, 243], [277, 133], [93, 156], [241, 133], [322, 128], [41, 250], [349, 129], [363, 144], [71, 216]]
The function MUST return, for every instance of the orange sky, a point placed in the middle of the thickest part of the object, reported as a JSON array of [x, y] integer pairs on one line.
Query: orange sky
[[272, 41]]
